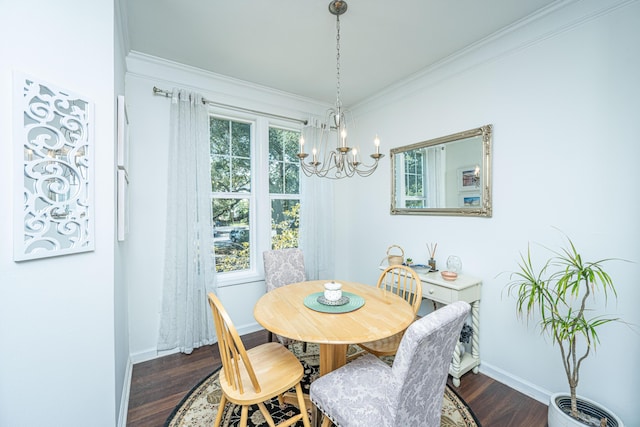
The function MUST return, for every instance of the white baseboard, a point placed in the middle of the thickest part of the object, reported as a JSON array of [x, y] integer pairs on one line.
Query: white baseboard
[[126, 389], [151, 354], [516, 383]]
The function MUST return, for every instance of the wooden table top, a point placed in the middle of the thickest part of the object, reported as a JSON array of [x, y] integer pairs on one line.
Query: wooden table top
[[282, 311]]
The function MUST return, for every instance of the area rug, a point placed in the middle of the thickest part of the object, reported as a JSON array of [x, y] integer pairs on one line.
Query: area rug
[[200, 406]]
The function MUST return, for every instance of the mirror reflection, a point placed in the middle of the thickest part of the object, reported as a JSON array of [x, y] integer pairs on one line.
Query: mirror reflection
[[443, 176]]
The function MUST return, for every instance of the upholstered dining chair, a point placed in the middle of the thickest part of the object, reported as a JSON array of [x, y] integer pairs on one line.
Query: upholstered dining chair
[[253, 376], [368, 392], [404, 282], [283, 267]]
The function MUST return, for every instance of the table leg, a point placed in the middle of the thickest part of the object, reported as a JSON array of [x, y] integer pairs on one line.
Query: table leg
[[475, 338], [332, 356]]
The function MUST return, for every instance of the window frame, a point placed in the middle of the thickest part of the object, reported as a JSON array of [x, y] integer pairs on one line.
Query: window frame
[[260, 198], [282, 196]]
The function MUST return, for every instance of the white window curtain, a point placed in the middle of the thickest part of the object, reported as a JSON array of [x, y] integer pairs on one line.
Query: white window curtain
[[186, 322], [316, 217], [435, 167]]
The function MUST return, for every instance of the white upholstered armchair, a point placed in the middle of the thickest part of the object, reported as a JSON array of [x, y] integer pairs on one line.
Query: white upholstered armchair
[[367, 392]]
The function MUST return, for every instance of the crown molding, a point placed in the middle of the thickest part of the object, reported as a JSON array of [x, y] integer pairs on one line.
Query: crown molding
[[548, 22], [217, 86]]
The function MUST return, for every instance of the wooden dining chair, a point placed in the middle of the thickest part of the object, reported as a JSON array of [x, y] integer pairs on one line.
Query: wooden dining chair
[[251, 377], [283, 267], [368, 392], [404, 282]]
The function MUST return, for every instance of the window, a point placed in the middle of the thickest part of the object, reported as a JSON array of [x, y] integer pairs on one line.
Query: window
[[284, 187], [253, 166], [414, 180], [232, 196]]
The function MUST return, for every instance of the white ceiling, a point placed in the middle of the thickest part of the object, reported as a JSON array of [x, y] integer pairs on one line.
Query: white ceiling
[[290, 45]]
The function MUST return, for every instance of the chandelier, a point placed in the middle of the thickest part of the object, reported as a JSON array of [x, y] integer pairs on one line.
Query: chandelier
[[343, 161]]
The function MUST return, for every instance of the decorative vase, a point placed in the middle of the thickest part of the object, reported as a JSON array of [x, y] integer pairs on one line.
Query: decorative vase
[[454, 264], [560, 406]]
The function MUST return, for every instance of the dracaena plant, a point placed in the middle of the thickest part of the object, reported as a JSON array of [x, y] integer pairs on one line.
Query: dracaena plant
[[560, 294]]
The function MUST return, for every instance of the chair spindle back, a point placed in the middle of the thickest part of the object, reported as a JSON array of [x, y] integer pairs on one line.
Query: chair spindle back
[[232, 351], [404, 282]]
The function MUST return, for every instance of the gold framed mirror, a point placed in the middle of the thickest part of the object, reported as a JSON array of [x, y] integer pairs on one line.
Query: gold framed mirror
[[450, 175]]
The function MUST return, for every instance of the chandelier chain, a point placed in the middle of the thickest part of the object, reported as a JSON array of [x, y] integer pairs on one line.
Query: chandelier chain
[[338, 102]]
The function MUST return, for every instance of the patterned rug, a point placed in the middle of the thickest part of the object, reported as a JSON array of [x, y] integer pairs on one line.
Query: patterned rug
[[200, 406]]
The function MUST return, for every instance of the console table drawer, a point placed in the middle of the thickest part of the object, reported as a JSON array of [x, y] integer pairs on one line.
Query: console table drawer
[[437, 293]]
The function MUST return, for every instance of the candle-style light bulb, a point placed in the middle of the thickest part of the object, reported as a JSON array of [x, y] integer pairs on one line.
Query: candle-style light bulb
[[314, 152], [376, 142], [301, 145], [354, 153], [343, 134]]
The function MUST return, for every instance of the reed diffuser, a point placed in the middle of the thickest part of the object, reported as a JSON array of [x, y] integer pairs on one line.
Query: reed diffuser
[[432, 255]]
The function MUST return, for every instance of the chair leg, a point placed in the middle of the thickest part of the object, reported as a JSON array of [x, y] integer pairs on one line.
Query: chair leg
[[270, 336], [266, 415], [223, 402], [326, 422], [304, 347], [244, 415], [302, 406]]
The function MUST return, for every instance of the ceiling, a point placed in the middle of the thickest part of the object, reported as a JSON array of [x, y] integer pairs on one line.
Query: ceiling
[[290, 45]]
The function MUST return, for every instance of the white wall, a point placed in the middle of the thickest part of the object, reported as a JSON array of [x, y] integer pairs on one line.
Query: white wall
[[149, 125], [123, 367], [562, 93], [57, 314]]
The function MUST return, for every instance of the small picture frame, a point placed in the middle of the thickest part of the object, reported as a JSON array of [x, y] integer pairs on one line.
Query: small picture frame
[[123, 133], [470, 200], [469, 178]]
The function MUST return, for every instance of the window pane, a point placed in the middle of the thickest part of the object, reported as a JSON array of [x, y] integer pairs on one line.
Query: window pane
[[284, 167], [241, 175], [220, 174], [220, 136], [285, 220], [276, 181], [241, 139], [292, 179], [230, 148], [291, 146], [232, 236], [275, 145]]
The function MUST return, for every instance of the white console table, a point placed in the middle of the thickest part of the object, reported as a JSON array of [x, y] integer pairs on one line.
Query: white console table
[[464, 288]]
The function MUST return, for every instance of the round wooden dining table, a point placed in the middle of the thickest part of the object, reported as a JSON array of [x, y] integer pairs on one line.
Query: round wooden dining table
[[283, 312]]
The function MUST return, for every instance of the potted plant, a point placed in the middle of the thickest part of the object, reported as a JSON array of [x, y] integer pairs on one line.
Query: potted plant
[[560, 294]]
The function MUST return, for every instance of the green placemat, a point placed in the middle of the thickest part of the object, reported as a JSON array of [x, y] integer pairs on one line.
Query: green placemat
[[355, 302]]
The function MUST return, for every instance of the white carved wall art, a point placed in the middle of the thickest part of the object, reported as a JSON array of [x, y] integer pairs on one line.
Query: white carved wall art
[[53, 142]]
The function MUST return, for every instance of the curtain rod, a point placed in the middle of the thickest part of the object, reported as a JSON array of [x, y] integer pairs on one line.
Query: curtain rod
[[166, 93]]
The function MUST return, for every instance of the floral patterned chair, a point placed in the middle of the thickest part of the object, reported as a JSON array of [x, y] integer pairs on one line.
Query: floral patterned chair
[[367, 392], [283, 267]]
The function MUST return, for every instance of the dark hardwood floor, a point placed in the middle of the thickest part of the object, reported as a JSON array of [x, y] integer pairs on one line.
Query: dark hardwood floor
[[158, 385]]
